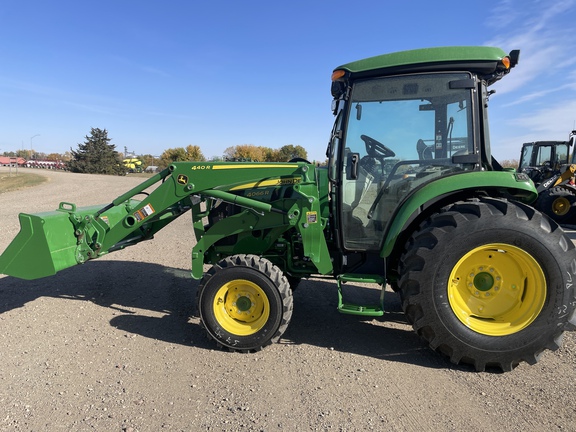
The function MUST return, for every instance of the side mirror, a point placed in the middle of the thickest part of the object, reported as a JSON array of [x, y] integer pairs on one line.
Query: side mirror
[[514, 57]]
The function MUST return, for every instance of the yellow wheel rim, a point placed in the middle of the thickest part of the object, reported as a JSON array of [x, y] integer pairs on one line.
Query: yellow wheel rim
[[560, 206], [497, 289], [241, 307]]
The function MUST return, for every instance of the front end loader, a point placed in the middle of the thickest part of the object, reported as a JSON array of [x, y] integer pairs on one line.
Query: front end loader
[[411, 198], [70, 236]]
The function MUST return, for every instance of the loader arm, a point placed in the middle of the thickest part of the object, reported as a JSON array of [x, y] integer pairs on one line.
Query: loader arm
[[566, 175], [69, 236]]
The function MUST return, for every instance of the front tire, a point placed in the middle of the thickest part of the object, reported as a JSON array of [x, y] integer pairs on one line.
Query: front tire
[[489, 283], [245, 303]]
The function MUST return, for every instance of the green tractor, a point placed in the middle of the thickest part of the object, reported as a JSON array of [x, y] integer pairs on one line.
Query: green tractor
[[411, 198]]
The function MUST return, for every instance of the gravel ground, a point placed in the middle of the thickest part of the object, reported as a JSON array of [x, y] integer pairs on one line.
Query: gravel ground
[[115, 345]]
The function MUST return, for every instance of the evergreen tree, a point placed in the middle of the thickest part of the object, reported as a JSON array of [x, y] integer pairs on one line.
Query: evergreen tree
[[96, 155]]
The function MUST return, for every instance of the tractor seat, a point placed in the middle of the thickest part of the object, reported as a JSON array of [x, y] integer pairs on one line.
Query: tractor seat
[[424, 151]]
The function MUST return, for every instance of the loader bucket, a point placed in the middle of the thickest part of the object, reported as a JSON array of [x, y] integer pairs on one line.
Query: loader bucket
[[49, 242], [45, 244]]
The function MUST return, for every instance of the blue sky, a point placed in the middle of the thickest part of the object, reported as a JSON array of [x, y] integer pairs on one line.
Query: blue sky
[[216, 74]]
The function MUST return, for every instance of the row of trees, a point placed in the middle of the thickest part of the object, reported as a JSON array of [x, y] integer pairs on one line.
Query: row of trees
[[31, 154], [96, 155], [240, 152]]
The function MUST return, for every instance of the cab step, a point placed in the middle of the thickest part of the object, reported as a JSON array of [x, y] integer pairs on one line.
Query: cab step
[[356, 309]]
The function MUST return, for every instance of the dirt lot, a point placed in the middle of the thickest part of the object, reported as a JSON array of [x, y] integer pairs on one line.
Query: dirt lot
[[114, 345]]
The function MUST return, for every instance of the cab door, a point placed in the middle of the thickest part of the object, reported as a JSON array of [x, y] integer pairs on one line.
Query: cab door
[[400, 133]]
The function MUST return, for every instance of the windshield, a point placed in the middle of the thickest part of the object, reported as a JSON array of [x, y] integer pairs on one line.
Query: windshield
[[401, 132], [551, 154], [400, 114], [526, 156]]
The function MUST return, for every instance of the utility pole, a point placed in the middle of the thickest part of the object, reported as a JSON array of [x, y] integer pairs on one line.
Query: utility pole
[[31, 152]]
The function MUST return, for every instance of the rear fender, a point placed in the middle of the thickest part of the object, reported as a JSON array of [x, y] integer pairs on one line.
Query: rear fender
[[505, 183]]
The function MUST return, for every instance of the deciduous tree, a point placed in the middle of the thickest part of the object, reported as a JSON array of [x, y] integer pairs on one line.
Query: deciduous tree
[[191, 153], [289, 152]]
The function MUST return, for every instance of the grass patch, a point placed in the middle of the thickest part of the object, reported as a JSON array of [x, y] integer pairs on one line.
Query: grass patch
[[19, 181]]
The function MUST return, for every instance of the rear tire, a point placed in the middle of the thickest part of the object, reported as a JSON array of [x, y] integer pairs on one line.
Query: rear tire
[[245, 303], [559, 204], [489, 283]]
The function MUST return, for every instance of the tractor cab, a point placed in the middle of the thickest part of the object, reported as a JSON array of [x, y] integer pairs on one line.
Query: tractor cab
[[403, 122], [540, 160]]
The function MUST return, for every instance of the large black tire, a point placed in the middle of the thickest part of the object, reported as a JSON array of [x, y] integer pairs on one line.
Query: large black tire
[[489, 283], [559, 204], [245, 303]]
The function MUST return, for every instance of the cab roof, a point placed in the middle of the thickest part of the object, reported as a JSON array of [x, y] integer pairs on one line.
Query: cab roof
[[478, 59]]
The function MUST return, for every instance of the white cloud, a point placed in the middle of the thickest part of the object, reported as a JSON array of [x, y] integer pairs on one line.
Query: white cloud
[[538, 95], [551, 120], [544, 35], [123, 61], [540, 102]]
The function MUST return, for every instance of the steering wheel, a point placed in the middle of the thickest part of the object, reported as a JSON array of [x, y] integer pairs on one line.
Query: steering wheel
[[375, 148]]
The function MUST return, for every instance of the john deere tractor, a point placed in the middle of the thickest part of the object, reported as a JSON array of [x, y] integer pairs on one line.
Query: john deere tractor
[[411, 198]]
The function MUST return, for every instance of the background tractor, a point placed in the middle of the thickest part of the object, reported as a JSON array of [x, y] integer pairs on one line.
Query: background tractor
[[550, 167], [133, 165], [411, 197]]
